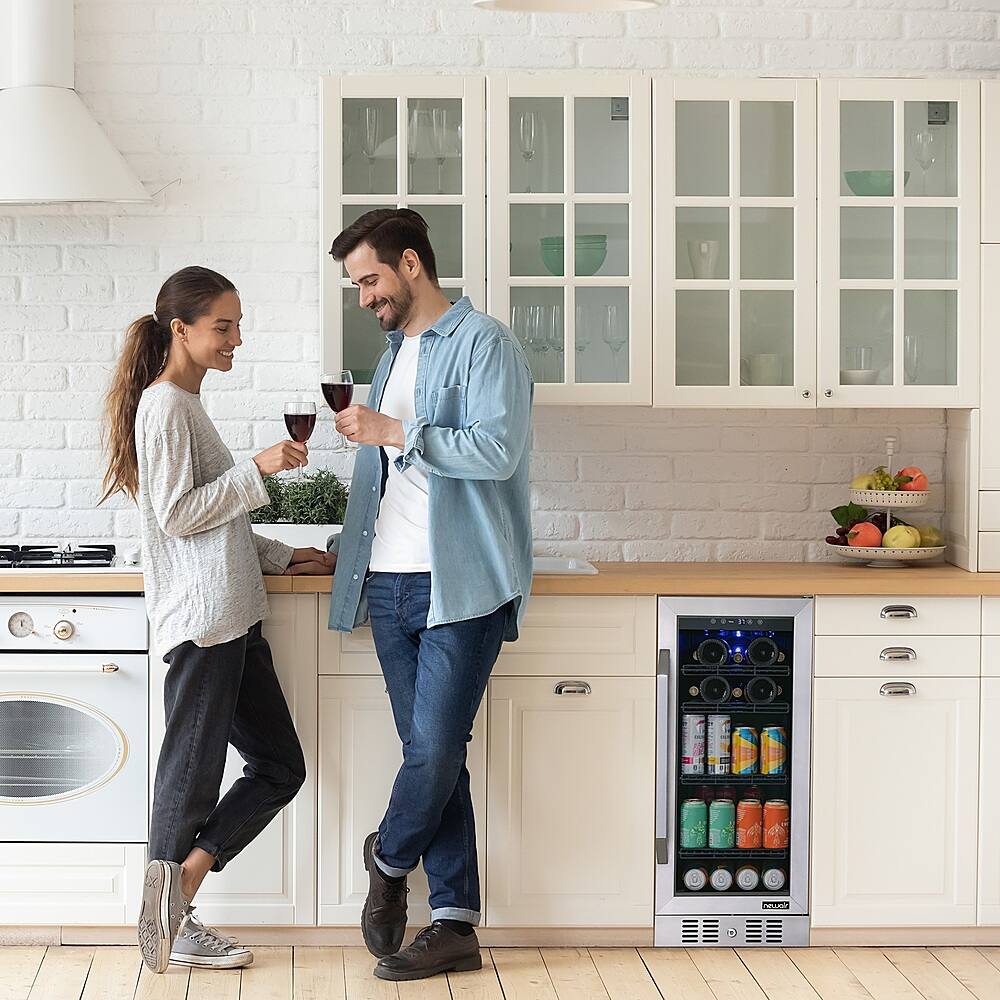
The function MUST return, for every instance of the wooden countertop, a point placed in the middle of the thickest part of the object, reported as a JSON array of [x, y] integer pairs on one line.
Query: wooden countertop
[[680, 579]]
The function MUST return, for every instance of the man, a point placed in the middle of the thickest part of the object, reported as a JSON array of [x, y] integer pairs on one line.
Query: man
[[436, 552]]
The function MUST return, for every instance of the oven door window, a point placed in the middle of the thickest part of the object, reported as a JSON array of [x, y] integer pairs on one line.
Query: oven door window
[[52, 749]]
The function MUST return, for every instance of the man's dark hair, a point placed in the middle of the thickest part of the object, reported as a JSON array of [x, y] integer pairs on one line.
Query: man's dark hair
[[389, 231]]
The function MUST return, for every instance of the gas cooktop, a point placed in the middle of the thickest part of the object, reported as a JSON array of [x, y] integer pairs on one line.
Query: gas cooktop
[[68, 556]]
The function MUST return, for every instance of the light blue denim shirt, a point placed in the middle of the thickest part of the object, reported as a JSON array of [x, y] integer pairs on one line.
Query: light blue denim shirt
[[472, 436]]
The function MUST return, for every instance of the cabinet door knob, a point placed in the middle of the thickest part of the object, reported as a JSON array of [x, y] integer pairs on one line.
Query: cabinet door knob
[[897, 653], [898, 611], [806, 394], [572, 687], [897, 689], [828, 392]]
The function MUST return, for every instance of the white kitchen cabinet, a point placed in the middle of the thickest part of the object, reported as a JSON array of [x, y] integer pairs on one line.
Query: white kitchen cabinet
[[273, 880], [990, 131], [898, 243], [735, 245], [570, 815], [360, 754], [989, 804], [568, 165], [894, 802], [400, 142]]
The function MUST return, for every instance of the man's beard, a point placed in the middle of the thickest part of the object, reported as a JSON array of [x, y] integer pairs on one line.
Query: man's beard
[[397, 309]]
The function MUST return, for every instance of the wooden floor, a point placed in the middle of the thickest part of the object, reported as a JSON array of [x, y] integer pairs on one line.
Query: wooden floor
[[306, 973]]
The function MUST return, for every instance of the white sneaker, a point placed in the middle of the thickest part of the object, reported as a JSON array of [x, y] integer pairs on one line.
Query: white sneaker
[[161, 914], [205, 948]]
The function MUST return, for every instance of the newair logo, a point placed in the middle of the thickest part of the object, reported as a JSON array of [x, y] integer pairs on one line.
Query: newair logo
[[774, 904]]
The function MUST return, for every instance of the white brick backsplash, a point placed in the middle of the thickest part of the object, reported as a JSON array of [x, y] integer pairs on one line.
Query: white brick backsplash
[[224, 95]]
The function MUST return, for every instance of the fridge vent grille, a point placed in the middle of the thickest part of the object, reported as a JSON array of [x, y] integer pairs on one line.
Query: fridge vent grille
[[696, 931], [764, 932]]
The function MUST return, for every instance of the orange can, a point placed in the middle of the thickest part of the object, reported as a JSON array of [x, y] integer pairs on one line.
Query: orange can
[[749, 823], [777, 820]]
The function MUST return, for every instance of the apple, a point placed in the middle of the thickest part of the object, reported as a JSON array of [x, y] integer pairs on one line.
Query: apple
[[866, 481], [864, 534], [901, 536], [918, 481]]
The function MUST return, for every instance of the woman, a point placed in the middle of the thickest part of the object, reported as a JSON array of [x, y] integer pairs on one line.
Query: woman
[[205, 597]]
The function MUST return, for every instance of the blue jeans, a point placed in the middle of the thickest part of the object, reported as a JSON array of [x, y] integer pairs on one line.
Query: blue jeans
[[436, 678]]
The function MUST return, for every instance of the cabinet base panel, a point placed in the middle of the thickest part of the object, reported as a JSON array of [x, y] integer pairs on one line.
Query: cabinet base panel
[[728, 931], [892, 937]]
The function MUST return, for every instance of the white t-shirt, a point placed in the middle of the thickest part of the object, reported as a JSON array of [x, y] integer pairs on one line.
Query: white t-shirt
[[400, 543]]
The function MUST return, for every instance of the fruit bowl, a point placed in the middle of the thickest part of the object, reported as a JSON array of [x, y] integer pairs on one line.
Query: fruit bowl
[[886, 558], [890, 498]]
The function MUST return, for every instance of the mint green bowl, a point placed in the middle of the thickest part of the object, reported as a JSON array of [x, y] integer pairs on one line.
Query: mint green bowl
[[872, 183], [591, 250]]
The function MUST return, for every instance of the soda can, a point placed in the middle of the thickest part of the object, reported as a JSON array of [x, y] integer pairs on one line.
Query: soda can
[[693, 744], [746, 748], [695, 879], [749, 823], [776, 824], [774, 879], [747, 878], [694, 823], [722, 824], [773, 750], [722, 879], [719, 744]]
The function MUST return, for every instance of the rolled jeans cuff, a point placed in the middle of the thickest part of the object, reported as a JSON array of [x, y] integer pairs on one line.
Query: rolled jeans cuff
[[388, 869], [455, 913]]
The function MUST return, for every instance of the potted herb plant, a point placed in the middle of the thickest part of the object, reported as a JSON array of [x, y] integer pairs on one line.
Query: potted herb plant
[[302, 512]]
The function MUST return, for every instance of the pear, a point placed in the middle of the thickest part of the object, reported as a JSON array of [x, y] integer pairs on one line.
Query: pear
[[866, 481], [901, 536]]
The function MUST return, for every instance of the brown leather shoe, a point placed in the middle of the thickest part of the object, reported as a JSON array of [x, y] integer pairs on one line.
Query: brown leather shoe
[[434, 950], [383, 918]]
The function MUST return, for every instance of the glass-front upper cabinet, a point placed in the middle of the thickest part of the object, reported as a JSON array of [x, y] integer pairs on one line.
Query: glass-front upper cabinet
[[734, 253], [568, 167], [899, 243], [408, 142]]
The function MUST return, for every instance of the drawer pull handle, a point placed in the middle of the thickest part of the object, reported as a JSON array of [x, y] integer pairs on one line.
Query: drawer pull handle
[[898, 611], [897, 653], [897, 689], [572, 687]]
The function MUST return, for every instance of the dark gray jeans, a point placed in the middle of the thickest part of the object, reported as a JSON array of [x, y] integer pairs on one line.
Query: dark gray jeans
[[214, 696]]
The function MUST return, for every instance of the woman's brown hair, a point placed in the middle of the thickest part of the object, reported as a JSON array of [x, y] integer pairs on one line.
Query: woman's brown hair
[[186, 295]]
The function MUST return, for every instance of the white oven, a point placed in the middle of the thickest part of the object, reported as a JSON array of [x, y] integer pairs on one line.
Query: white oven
[[74, 680]]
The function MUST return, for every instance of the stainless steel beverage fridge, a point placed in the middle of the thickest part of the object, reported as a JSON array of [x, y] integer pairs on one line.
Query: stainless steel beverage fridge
[[733, 696]]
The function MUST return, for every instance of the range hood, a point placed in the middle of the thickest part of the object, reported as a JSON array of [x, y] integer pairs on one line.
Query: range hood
[[51, 149]]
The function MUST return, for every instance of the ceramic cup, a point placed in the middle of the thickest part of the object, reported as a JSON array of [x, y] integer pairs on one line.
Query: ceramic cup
[[704, 255], [765, 369]]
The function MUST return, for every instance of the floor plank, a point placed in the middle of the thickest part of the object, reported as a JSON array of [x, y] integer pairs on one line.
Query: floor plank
[[522, 974], [270, 976], [675, 975], [214, 984], [318, 974], [481, 985], [877, 974], [62, 974], [114, 974], [928, 975], [432, 988], [727, 977], [623, 974], [992, 955], [361, 984], [573, 973], [18, 968], [171, 985], [827, 974], [776, 974], [973, 970]]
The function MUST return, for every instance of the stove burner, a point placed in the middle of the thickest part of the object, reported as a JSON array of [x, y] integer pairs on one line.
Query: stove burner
[[38, 556]]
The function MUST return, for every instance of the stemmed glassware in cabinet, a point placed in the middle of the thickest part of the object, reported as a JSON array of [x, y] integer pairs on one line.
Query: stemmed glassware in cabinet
[[370, 139], [527, 136], [614, 334], [554, 339], [439, 142], [925, 151]]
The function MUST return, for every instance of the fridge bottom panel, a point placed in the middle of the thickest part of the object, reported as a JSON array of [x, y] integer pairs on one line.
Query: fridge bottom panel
[[731, 932]]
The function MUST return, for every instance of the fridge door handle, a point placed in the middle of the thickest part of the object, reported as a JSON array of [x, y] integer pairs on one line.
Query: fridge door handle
[[664, 748]]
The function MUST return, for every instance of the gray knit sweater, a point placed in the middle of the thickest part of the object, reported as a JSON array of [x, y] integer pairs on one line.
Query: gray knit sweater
[[201, 562]]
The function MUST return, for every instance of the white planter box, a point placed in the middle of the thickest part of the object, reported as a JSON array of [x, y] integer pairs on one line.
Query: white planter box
[[299, 536]]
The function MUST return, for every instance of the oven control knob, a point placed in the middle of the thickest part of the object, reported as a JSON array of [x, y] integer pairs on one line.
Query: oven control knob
[[63, 630]]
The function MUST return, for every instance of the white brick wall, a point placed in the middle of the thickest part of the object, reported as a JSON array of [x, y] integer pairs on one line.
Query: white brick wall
[[225, 97]]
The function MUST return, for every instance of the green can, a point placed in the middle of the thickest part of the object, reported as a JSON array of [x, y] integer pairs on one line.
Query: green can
[[694, 823], [722, 824]]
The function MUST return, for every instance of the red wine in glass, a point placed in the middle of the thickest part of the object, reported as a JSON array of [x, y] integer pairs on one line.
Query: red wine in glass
[[300, 425], [338, 395]]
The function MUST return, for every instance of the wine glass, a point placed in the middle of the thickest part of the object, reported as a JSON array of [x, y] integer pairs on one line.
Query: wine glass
[[528, 130], [911, 358], [555, 342], [338, 391], [370, 142], [613, 334], [411, 145], [300, 419], [583, 335], [533, 337], [925, 151], [439, 141]]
